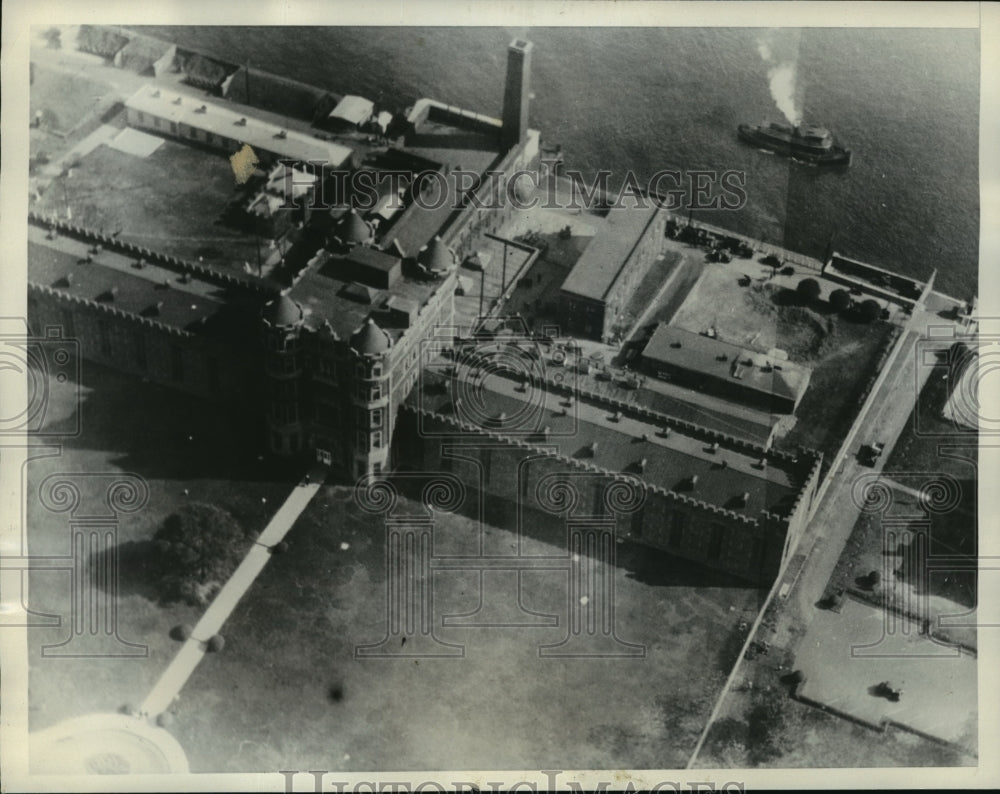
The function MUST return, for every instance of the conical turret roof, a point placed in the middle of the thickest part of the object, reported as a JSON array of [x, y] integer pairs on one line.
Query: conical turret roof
[[370, 340], [282, 311], [437, 257], [353, 229]]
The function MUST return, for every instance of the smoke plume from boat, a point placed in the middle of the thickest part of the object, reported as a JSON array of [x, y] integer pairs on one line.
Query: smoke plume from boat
[[781, 75]]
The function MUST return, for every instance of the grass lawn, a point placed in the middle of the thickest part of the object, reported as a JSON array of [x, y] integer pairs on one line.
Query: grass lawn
[[65, 99], [841, 353], [289, 693], [767, 728], [128, 426], [841, 373], [171, 201], [287, 690]]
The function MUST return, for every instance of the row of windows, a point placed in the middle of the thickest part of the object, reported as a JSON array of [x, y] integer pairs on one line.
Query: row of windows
[[369, 441], [192, 132], [139, 353]]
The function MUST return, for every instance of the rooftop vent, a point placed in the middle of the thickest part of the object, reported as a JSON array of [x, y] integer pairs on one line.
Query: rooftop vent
[[693, 481], [642, 465], [546, 431], [593, 448], [502, 418], [745, 498]]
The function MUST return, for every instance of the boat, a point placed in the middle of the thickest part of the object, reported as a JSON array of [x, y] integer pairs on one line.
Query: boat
[[804, 142]]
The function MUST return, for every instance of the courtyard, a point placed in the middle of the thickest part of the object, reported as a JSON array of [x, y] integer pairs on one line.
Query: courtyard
[[171, 201], [289, 691]]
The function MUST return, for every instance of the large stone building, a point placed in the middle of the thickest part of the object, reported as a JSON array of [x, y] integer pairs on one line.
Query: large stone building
[[767, 381], [597, 289], [165, 112], [707, 496], [347, 359]]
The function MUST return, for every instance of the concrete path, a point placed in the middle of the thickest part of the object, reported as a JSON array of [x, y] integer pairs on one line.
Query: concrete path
[[102, 134], [883, 416], [184, 664]]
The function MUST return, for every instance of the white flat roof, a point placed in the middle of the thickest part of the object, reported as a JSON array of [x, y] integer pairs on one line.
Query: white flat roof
[[227, 123], [353, 109]]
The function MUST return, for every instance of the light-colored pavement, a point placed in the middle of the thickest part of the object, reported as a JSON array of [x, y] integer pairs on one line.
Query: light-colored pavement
[[883, 417], [187, 659]]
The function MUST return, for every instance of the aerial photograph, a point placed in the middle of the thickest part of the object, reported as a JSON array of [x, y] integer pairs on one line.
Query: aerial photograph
[[419, 398]]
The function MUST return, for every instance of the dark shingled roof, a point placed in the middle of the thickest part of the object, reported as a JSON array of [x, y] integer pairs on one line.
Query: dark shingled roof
[[279, 94], [100, 40], [142, 52]]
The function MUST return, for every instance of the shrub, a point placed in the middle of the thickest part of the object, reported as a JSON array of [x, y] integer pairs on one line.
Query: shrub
[[788, 270], [181, 633], [164, 719], [869, 310], [808, 290], [200, 546], [840, 300], [215, 643], [53, 37]]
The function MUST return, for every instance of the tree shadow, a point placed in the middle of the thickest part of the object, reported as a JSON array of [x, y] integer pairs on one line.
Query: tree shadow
[[137, 569]]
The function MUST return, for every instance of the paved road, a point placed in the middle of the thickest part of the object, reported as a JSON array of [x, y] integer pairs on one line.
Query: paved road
[[187, 659], [883, 418]]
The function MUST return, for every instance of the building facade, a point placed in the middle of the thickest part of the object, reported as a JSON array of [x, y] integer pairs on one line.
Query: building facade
[[595, 293]]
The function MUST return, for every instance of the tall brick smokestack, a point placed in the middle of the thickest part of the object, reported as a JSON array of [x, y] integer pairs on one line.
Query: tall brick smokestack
[[517, 94]]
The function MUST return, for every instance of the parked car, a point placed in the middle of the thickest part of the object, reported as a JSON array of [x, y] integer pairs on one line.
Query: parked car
[[870, 453]]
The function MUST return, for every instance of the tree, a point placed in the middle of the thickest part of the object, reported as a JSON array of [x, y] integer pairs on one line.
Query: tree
[[200, 546], [869, 310], [53, 36], [840, 300], [808, 290]]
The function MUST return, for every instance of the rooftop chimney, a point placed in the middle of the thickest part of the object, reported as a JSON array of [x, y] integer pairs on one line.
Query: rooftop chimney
[[517, 93]]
